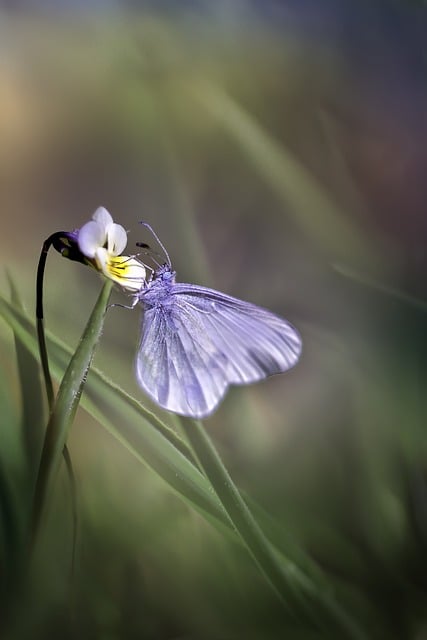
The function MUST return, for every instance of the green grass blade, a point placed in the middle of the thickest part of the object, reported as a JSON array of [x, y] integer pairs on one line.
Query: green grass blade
[[33, 406], [65, 407], [381, 287], [294, 587]]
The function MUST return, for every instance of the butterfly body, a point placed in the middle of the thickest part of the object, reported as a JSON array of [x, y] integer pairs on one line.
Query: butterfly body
[[196, 341], [157, 291]]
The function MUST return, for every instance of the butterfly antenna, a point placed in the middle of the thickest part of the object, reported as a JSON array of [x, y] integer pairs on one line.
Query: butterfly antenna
[[161, 245], [150, 253]]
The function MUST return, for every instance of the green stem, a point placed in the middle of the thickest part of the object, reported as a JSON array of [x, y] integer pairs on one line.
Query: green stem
[[65, 408], [66, 453], [294, 588]]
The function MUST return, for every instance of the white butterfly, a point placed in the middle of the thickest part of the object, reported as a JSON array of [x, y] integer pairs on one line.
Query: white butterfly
[[195, 342]]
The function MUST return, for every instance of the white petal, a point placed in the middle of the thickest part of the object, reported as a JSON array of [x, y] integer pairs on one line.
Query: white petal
[[116, 239], [91, 237], [103, 218], [101, 259], [127, 271], [133, 275]]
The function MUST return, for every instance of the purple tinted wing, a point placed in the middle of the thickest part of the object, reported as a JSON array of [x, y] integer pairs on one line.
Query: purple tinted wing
[[193, 348]]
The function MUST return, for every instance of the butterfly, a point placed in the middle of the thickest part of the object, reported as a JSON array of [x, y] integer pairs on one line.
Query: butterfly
[[196, 342]]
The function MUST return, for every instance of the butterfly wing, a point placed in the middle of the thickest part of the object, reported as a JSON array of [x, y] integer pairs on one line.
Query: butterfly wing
[[201, 341]]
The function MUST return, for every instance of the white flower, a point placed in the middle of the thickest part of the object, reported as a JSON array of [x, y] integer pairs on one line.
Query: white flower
[[102, 241]]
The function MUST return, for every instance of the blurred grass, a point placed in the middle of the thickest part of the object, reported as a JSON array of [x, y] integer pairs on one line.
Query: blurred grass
[[263, 155]]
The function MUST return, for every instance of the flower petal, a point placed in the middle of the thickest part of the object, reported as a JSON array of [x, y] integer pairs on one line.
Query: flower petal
[[104, 219], [127, 271], [116, 239], [91, 237]]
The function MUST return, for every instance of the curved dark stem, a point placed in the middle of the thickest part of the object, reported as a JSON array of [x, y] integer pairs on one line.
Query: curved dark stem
[[56, 239], [40, 319]]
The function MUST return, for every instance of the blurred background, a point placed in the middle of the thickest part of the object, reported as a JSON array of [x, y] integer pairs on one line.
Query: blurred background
[[279, 151]]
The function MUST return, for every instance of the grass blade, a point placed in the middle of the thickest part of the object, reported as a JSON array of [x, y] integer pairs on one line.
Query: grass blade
[[33, 408], [293, 587], [65, 407]]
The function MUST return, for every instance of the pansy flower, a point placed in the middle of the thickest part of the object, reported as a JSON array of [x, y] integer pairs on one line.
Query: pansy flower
[[101, 242]]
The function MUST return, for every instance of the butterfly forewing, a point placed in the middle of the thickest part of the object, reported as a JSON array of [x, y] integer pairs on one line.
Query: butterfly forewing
[[201, 341]]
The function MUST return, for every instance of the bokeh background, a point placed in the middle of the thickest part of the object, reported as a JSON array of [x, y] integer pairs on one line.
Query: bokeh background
[[279, 151]]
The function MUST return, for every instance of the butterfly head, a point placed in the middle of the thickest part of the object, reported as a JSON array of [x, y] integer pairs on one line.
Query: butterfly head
[[164, 273]]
